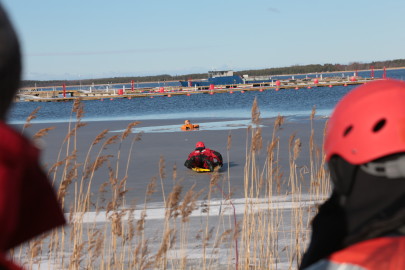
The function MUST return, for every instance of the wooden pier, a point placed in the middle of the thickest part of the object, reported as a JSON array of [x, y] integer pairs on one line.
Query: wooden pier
[[32, 95]]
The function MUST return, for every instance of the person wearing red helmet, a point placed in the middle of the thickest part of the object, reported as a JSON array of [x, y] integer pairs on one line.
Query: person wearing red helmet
[[362, 224], [200, 145], [203, 158]]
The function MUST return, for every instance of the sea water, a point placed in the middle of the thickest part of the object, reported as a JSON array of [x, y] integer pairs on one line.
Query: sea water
[[287, 102]]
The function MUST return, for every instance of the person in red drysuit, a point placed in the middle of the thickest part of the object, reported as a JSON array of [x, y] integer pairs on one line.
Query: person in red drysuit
[[28, 204], [203, 157], [362, 224]]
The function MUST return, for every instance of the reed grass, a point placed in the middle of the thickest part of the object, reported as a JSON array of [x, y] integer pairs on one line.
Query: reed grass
[[264, 236]]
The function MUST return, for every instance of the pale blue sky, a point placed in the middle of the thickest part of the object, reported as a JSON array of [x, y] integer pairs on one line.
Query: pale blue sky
[[99, 38]]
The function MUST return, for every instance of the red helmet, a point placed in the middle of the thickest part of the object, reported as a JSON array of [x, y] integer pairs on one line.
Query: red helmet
[[368, 123], [199, 145]]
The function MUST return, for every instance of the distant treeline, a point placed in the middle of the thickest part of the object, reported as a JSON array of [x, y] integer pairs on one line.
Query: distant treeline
[[323, 68], [296, 69]]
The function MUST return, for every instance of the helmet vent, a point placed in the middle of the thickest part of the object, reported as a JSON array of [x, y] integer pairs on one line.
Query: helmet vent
[[379, 125], [347, 130]]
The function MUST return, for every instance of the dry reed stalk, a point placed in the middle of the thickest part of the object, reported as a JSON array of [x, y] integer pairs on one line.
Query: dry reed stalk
[[312, 147], [141, 258], [116, 221], [257, 140], [185, 209], [256, 146], [271, 162], [296, 220], [69, 176], [77, 256], [129, 158], [161, 255], [292, 178], [173, 200], [278, 123], [255, 113], [171, 212], [174, 173], [235, 223], [128, 130], [228, 180], [130, 223], [117, 226], [277, 126], [116, 233], [99, 138], [54, 243], [151, 189], [79, 124], [245, 241], [140, 224], [139, 230], [272, 222], [89, 170], [30, 117], [297, 148], [135, 256], [228, 148], [35, 250], [110, 141], [313, 112], [296, 213], [43, 132], [189, 204], [95, 246], [135, 139], [162, 175], [124, 135], [78, 108], [95, 165], [207, 233], [325, 177], [72, 132], [70, 173]]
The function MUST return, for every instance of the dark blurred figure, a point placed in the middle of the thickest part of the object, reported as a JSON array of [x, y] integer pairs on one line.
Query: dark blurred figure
[[28, 205], [362, 224]]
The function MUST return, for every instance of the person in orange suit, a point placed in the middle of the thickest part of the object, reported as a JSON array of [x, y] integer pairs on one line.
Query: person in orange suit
[[188, 126], [28, 204]]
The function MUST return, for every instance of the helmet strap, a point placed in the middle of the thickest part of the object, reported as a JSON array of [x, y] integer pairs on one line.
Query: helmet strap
[[389, 169]]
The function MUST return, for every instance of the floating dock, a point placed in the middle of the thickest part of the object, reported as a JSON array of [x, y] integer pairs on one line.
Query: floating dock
[[33, 95]]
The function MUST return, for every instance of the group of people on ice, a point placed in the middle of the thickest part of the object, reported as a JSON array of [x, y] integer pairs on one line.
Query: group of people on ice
[[202, 159]]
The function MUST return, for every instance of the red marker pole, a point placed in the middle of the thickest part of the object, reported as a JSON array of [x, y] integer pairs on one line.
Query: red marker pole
[[132, 85], [64, 90]]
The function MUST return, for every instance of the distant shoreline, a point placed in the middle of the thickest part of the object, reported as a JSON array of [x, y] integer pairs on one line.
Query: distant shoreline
[[196, 76], [342, 71]]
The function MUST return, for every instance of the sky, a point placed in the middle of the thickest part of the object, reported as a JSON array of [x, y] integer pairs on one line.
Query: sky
[[85, 39]]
